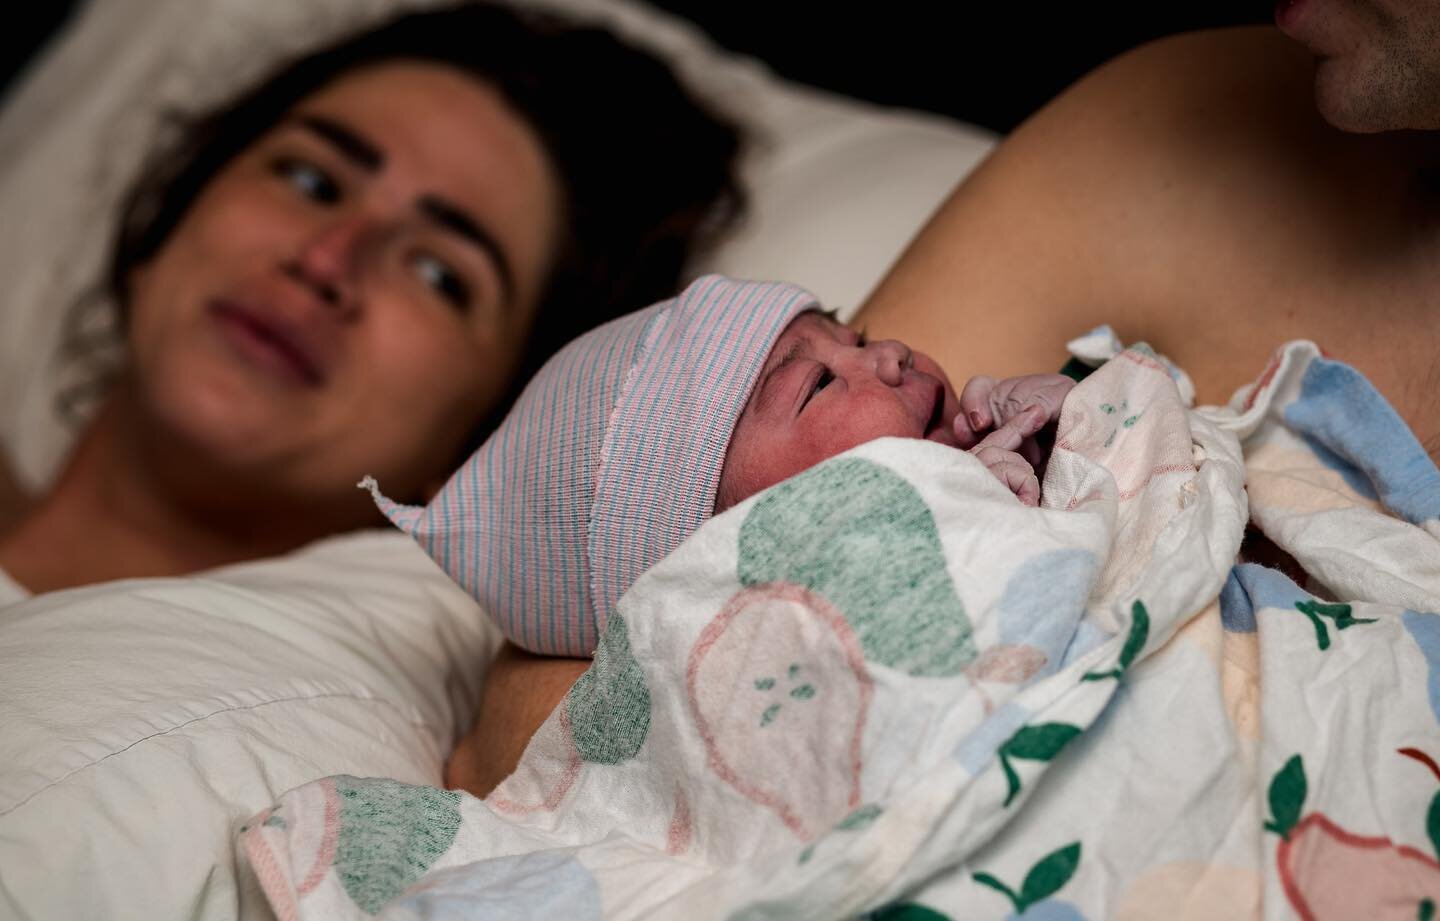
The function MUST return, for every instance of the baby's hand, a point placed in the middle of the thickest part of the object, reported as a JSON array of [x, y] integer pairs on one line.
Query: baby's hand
[[997, 451], [1001, 423], [1033, 401]]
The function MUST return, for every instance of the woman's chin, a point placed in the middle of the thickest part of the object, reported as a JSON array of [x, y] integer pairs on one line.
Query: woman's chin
[[219, 417]]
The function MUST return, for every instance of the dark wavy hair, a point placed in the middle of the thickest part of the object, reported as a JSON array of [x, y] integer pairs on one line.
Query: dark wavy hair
[[648, 172]]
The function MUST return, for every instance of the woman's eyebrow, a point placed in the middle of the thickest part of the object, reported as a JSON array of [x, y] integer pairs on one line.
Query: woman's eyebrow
[[346, 140], [457, 221]]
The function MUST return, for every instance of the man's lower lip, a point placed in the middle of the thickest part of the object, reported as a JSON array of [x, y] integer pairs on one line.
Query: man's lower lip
[[258, 350]]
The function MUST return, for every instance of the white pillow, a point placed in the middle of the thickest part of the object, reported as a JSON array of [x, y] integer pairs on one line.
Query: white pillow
[[141, 722]]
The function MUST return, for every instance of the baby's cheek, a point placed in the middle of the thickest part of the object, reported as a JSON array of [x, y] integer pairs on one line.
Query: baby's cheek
[[854, 423], [758, 457]]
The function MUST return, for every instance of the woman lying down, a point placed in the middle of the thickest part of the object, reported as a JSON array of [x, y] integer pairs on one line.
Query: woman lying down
[[851, 691]]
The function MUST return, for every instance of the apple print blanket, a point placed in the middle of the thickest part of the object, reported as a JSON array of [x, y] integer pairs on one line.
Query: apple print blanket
[[885, 689]]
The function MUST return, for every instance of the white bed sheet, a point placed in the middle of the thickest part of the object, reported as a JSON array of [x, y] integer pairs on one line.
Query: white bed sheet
[[142, 721]]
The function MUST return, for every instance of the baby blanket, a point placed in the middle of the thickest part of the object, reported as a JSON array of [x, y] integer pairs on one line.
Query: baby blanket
[[884, 688]]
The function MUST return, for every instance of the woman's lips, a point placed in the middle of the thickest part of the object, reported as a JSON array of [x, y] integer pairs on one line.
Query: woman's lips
[[268, 344]]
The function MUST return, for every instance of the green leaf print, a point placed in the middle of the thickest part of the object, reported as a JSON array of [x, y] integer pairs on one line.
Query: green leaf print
[[1432, 824], [1134, 642], [1047, 877], [1040, 743], [1050, 874], [1322, 636], [985, 879], [1339, 614], [1012, 779], [1139, 633], [1033, 743], [861, 818], [858, 820], [910, 911], [1287, 797]]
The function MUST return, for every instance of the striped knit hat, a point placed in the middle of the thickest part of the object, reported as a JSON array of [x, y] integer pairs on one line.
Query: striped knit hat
[[608, 461]]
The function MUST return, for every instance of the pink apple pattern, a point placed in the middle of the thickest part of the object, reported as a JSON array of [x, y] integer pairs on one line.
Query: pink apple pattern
[[779, 690], [1329, 873]]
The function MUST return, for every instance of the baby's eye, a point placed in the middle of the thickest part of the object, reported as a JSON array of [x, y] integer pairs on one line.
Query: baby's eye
[[822, 380], [442, 279], [861, 340], [308, 179]]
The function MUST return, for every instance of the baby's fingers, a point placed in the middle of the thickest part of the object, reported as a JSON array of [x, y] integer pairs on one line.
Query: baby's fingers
[[1042, 394], [1012, 470], [975, 416], [1009, 436]]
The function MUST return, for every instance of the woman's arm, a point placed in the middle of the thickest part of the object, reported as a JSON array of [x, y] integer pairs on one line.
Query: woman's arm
[[520, 691]]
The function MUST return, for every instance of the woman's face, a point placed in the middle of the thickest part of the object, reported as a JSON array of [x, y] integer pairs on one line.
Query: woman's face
[[351, 293]]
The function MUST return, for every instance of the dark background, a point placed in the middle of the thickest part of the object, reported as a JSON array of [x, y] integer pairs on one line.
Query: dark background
[[23, 32], [988, 64]]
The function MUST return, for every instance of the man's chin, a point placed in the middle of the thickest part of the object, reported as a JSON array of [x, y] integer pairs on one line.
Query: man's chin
[[1360, 100]]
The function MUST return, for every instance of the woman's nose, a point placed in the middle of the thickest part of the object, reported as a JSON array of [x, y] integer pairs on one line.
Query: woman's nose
[[328, 261], [892, 360]]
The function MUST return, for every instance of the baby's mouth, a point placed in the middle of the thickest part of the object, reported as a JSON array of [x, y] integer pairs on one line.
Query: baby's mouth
[[939, 426], [937, 411]]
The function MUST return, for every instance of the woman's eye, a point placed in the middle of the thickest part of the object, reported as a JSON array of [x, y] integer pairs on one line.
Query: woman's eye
[[309, 180], [441, 278]]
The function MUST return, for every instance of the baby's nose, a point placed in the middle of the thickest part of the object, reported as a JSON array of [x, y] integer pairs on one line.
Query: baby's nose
[[892, 360]]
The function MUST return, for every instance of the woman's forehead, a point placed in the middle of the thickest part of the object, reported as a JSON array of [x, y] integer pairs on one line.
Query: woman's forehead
[[435, 116]]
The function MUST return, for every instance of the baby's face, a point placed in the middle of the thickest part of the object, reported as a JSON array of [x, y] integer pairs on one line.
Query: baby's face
[[824, 390]]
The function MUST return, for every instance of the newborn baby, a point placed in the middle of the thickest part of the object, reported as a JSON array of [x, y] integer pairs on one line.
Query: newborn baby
[[637, 432]]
